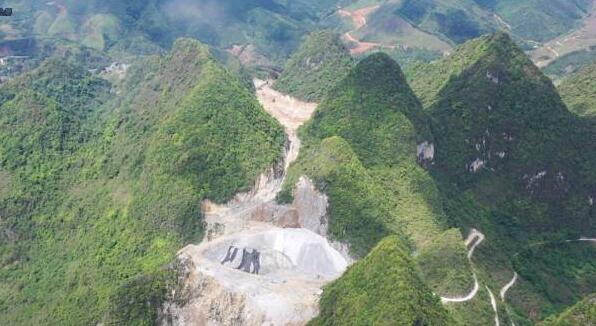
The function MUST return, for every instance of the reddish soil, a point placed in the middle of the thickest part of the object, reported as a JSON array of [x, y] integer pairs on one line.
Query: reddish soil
[[358, 18]]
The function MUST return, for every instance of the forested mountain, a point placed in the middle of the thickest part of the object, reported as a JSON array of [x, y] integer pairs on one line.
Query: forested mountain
[[266, 31], [510, 156], [497, 128], [98, 194], [315, 67], [464, 19], [501, 123], [192, 162], [363, 148], [356, 297], [581, 313]]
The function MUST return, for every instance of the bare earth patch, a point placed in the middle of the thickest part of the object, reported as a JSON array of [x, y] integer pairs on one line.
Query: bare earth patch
[[261, 263], [358, 18]]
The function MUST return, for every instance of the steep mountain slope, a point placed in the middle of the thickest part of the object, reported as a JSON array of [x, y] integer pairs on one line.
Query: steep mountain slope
[[510, 159], [376, 113], [363, 148], [428, 81], [357, 209], [360, 297], [504, 115], [315, 67], [579, 91], [92, 213], [571, 264]]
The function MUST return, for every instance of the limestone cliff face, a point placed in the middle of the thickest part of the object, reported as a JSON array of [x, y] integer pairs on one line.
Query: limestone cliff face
[[311, 207], [308, 210], [201, 300]]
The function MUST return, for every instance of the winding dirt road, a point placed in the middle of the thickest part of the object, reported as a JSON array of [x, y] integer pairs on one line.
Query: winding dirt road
[[493, 303], [508, 286], [475, 238], [513, 281], [359, 20]]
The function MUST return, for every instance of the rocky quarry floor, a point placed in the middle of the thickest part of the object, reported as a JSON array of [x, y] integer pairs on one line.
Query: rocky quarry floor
[[261, 263]]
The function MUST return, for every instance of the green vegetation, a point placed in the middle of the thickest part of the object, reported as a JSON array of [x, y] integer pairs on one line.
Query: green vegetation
[[427, 80], [511, 161], [539, 20], [582, 313], [357, 206], [439, 24], [101, 181], [570, 63], [100, 191], [140, 299], [564, 272], [498, 121], [381, 289], [461, 20], [375, 110], [444, 264], [579, 91], [457, 21], [382, 130], [320, 62], [360, 149], [412, 56]]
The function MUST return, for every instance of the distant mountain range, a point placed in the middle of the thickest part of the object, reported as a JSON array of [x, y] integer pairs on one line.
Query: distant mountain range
[[272, 29]]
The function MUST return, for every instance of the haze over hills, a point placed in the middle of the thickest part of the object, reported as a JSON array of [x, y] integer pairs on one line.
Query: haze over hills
[[330, 162], [265, 32]]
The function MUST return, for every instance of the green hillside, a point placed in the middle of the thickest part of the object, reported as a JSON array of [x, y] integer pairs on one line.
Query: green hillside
[[321, 61], [494, 115], [383, 132], [360, 149], [100, 191], [579, 91], [570, 63], [582, 313], [457, 21], [422, 30], [376, 111], [118, 119], [381, 289], [539, 20], [511, 161], [527, 20]]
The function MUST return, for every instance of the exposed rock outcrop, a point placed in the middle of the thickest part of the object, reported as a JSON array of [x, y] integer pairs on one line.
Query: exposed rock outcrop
[[260, 263]]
